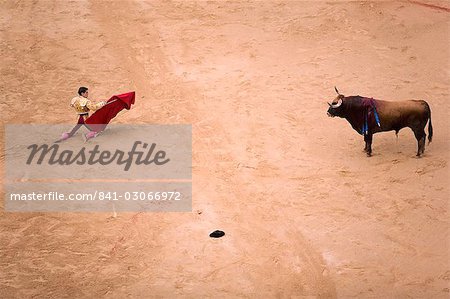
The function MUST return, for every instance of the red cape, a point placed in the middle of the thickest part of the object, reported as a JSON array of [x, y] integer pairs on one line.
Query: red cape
[[101, 118]]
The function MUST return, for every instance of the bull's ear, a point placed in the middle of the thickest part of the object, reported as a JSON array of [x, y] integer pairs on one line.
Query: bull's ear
[[329, 104], [337, 91]]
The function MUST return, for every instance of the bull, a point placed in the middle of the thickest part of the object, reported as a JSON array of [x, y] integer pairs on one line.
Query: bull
[[368, 116]]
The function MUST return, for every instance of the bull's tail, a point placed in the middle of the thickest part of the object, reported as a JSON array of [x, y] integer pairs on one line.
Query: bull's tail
[[430, 130], [430, 126]]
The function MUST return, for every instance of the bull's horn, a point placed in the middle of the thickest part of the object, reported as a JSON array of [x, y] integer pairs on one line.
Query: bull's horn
[[339, 103], [337, 91], [329, 104]]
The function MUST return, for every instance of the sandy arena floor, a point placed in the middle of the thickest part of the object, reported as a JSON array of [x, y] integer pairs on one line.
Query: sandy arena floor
[[306, 214]]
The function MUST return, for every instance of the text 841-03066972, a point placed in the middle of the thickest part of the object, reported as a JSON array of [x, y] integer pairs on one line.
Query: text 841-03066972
[[136, 195]]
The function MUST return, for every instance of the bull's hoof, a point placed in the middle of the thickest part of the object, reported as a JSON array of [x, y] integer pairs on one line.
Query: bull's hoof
[[369, 154]]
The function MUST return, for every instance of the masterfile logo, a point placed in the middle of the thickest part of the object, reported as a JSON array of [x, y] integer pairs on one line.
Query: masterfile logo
[[52, 155], [133, 167]]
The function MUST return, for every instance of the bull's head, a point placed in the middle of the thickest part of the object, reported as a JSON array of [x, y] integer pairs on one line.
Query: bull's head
[[336, 108]]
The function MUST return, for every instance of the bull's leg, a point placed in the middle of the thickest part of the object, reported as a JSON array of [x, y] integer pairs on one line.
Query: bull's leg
[[420, 136], [422, 143], [368, 148]]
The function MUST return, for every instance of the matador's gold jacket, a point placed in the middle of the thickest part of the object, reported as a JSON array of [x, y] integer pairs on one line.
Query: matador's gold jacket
[[83, 105]]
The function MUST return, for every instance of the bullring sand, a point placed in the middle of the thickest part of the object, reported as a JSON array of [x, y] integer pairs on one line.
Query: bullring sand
[[306, 214]]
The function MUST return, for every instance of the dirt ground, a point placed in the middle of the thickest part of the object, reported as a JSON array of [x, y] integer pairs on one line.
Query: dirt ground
[[306, 213]]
